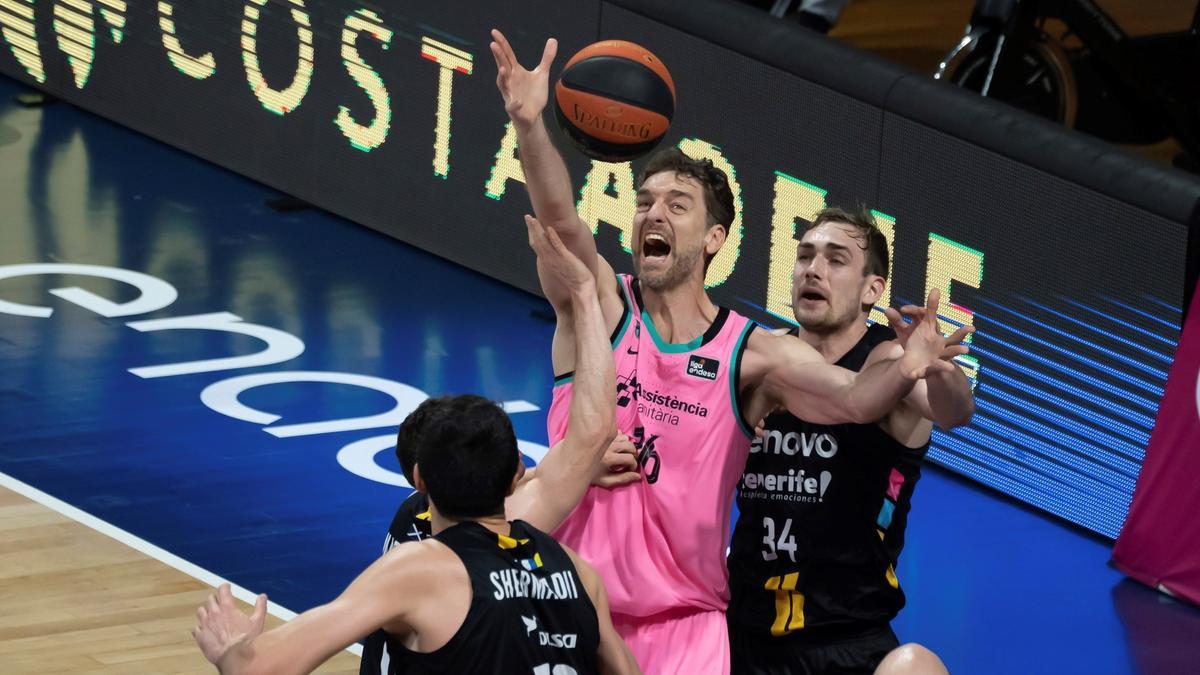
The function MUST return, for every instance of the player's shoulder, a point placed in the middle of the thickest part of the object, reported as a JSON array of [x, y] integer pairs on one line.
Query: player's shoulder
[[759, 352], [428, 561], [768, 345]]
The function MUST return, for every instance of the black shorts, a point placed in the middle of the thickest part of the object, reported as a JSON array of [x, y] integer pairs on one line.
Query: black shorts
[[823, 652]]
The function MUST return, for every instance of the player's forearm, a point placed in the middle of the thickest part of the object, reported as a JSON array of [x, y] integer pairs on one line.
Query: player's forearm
[[548, 181], [950, 398], [592, 401], [875, 391], [618, 660]]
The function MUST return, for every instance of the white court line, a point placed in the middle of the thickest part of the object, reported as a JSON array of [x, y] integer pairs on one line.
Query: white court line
[[145, 547]]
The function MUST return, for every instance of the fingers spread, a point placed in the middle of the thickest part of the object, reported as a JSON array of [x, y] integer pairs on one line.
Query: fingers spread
[[259, 615], [548, 54], [505, 48], [498, 55], [960, 335], [893, 317]]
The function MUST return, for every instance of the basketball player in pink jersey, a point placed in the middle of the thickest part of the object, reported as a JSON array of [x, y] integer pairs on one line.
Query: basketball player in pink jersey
[[689, 377]]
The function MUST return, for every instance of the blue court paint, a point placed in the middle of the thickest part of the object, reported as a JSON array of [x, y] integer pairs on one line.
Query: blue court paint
[[993, 587]]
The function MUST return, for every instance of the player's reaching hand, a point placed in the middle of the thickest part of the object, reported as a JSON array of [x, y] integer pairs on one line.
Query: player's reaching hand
[[222, 626], [926, 350], [525, 92]]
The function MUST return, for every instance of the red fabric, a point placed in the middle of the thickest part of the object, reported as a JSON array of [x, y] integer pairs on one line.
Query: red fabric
[[1160, 543]]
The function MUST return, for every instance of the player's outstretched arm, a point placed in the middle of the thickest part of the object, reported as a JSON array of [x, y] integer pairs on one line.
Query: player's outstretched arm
[[525, 94], [614, 654], [944, 395], [564, 474], [386, 593], [794, 374]]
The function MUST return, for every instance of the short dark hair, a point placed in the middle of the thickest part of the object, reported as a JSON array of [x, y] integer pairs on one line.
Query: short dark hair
[[412, 433], [467, 456], [870, 237], [718, 198]]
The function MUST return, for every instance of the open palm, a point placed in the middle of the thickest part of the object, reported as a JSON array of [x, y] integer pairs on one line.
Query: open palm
[[525, 91], [926, 350], [222, 626]]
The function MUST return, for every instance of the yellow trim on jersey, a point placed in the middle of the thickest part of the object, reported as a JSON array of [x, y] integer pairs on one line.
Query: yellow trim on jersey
[[423, 516], [508, 543], [789, 604], [891, 573]]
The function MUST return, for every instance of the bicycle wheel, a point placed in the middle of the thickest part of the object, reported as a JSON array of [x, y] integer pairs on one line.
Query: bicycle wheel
[[1039, 79]]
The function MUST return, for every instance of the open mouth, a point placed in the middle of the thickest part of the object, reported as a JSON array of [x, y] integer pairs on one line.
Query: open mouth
[[812, 295], [655, 246]]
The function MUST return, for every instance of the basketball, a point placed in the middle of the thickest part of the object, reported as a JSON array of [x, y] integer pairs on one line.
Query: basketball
[[614, 100]]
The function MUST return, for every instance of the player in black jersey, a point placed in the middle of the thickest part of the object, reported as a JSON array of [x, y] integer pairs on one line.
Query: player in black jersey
[[412, 521], [483, 594], [822, 508]]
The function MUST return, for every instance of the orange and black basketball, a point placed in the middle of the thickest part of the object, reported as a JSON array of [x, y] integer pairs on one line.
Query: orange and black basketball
[[615, 100]]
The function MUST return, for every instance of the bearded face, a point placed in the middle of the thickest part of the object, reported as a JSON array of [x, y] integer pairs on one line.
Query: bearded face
[[669, 231]]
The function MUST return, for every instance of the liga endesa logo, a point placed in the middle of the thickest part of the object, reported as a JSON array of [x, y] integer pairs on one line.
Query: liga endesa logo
[[222, 396]]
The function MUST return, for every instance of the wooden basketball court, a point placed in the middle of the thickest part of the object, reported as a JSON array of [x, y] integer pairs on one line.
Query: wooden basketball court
[[74, 600]]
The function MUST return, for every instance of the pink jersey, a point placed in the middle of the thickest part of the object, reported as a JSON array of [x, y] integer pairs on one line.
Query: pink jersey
[[659, 544]]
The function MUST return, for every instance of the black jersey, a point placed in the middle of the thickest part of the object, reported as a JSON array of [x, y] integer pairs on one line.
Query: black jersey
[[529, 610], [411, 523], [821, 523]]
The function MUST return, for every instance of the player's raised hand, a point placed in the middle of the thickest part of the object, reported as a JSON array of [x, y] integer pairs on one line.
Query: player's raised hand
[[222, 626], [925, 348], [525, 91], [904, 329]]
